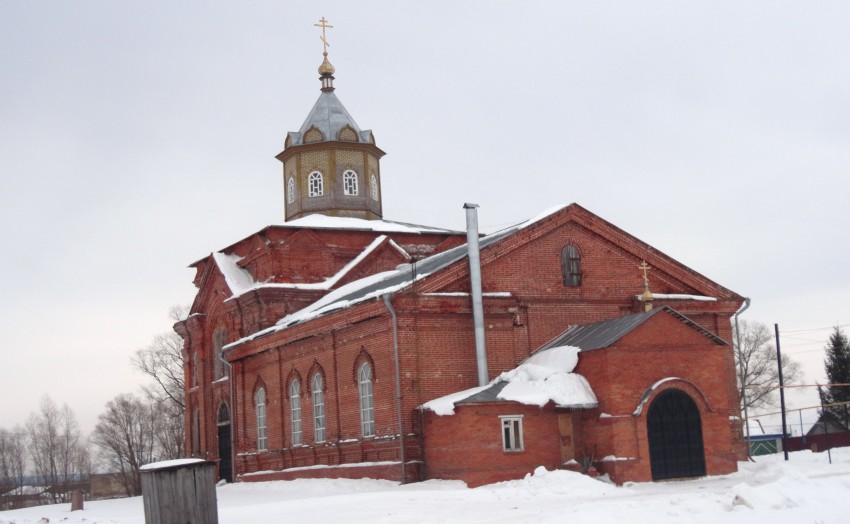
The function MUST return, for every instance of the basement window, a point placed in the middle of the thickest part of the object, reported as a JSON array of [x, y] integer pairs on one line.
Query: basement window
[[512, 433]]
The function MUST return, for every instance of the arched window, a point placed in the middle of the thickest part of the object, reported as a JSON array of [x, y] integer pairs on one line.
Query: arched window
[[295, 411], [349, 183], [367, 407], [223, 418], [571, 266], [373, 182], [260, 402], [219, 338], [315, 184], [290, 189], [195, 363], [317, 387]]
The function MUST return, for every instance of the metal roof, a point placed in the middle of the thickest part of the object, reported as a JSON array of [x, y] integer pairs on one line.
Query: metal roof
[[602, 334], [329, 116], [491, 394], [407, 273]]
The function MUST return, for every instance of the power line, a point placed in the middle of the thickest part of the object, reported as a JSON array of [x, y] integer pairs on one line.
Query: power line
[[813, 329], [839, 385], [801, 409]]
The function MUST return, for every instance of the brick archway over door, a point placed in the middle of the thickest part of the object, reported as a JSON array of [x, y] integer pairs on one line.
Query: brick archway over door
[[674, 429]]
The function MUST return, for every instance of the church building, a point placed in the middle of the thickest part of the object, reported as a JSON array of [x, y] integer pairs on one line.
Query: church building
[[342, 344]]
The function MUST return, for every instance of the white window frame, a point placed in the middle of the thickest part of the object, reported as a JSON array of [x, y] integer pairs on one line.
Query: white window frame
[[511, 429], [295, 411], [317, 386], [260, 401], [349, 183], [315, 184], [367, 404], [290, 190], [373, 182]]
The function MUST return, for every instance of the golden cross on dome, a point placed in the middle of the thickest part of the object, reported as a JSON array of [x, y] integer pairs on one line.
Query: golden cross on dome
[[324, 25], [645, 267]]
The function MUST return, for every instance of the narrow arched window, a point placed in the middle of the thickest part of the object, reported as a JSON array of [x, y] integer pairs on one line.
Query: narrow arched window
[[317, 387], [219, 339], [196, 361], [290, 189], [373, 183], [260, 402], [367, 407], [349, 183], [315, 184], [295, 411], [571, 266]]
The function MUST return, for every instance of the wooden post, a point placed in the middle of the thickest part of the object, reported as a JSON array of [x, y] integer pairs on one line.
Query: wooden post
[[77, 500], [179, 491]]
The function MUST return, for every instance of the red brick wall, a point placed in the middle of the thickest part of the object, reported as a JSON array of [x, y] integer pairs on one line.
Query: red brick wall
[[468, 445]]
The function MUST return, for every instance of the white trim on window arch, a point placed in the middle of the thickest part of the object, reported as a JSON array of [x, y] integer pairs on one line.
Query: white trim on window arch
[[290, 190], [315, 184], [367, 406], [317, 386], [295, 411], [350, 186], [260, 401], [373, 182]]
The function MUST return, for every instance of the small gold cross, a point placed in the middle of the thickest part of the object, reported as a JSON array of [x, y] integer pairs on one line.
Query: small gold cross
[[324, 25], [645, 267]]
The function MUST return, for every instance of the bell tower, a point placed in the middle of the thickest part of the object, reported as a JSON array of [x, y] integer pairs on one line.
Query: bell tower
[[330, 165]]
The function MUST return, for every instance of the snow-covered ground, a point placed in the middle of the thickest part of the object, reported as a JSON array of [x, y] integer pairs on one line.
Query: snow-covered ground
[[807, 489]]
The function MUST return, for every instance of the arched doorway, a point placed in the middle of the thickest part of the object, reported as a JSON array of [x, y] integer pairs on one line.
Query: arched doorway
[[674, 428], [225, 464]]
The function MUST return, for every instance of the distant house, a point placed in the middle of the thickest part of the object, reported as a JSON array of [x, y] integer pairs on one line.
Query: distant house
[[108, 486], [24, 497]]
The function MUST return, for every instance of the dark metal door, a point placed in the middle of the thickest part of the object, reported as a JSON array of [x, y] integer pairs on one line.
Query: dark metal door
[[674, 429], [225, 467]]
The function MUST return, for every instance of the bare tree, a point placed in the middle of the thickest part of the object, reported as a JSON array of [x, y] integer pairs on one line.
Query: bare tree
[[58, 454], [126, 436], [162, 361], [758, 374], [13, 458]]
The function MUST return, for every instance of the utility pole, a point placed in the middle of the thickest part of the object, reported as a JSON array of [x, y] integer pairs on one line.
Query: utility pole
[[781, 392]]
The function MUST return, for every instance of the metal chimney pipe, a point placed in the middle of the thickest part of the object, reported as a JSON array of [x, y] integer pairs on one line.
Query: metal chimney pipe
[[475, 284]]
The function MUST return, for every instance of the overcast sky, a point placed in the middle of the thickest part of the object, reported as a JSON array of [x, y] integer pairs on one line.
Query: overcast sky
[[136, 138]]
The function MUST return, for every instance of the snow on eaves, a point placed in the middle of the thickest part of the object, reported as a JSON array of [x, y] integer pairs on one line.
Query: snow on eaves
[[331, 302], [673, 296], [317, 221], [544, 377], [240, 280]]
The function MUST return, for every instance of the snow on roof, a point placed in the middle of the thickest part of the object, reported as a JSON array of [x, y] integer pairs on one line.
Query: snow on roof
[[542, 378], [317, 221], [240, 280], [376, 285], [674, 296], [334, 300], [170, 463]]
